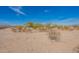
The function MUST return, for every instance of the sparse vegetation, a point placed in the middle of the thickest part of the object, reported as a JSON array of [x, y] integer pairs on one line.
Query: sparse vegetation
[[44, 27]]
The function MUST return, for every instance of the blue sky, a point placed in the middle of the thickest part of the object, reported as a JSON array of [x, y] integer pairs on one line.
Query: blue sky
[[16, 15]]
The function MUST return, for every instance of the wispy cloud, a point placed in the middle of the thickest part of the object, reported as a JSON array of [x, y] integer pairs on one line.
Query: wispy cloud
[[66, 21], [17, 9], [70, 21]]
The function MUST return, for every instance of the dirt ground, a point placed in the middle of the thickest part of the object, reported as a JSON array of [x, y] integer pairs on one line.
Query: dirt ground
[[37, 42]]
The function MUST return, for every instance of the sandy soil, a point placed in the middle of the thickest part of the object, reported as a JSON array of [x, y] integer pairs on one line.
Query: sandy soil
[[37, 41]]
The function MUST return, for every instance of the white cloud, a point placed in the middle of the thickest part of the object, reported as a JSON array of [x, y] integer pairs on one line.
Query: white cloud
[[17, 9]]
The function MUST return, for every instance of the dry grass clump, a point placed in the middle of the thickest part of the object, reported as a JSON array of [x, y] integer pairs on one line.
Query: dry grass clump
[[54, 35], [13, 30]]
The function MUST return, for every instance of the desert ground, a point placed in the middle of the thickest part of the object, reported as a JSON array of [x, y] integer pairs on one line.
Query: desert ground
[[37, 42]]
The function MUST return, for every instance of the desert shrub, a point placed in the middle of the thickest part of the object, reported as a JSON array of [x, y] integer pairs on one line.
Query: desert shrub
[[76, 49], [17, 29]]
